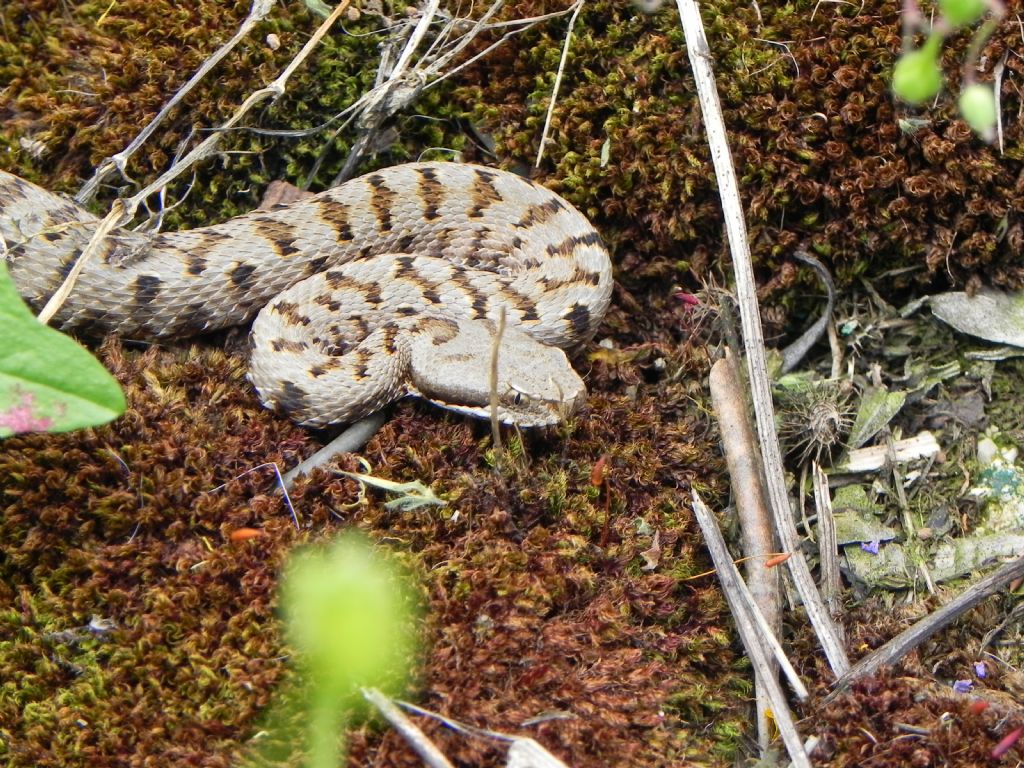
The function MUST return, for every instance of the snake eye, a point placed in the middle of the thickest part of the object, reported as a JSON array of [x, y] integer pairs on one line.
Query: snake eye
[[517, 398]]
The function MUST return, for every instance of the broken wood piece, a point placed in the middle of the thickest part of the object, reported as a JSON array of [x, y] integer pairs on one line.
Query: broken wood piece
[[920, 446]]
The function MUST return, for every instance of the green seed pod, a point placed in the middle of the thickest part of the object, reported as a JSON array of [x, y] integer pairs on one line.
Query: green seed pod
[[960, 13], [978, 107], [917, 78]]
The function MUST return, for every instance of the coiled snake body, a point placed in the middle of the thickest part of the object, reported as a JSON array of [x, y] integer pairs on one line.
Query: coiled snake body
[[391, 284]]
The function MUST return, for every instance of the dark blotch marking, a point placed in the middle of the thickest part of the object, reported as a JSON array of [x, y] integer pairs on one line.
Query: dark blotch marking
[[406, 311], [404, 268], [241, 276], [579, 317], [290, 312], [382, 200], [477, 301], [538, 214], [320, 369], [390, 339], [316, 265], [276, 234], [431, 193], [196, 265], [359, 364], [327, 301], [52, 237], [431, 295], [146, 288], [288, 345], [524, 305], [484, 194], [335, 214], [293, 398], [66, 266], [337, 280]]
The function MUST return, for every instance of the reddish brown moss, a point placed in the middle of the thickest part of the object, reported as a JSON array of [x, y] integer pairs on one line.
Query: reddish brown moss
[[528, 611], [889, 720]]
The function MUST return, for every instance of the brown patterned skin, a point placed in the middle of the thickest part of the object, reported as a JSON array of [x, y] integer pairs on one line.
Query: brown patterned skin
[[391, 284]]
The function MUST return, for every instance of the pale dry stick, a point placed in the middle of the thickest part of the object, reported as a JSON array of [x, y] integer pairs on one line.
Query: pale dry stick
[[387, 97], [558, 82], [997, 88], [113, 220], [465, 40], [495, 423], [417, 36], [349, 441], [751, 633], [700, 62], [828, 550], [122, 211], [523, 752], [406, 728], [119, 162], [906, 641], [727, 396]]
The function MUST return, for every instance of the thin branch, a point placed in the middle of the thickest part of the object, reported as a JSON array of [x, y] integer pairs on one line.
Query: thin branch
[[416, 738], [753, 633], [558, 82], [119, 162], [728, 398], [122, 211], [910, 638]]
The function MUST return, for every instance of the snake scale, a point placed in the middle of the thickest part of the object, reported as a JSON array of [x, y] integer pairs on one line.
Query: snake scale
[[391, 284]]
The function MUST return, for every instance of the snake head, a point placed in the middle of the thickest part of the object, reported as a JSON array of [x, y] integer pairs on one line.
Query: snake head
[[535, 384]]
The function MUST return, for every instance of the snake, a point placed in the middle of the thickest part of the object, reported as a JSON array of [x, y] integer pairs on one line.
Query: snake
[[460, 284]]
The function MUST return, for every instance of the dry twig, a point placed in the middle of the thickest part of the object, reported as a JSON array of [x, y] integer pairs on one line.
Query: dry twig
[[756, 636], [700, 62], [727, 395], [912, 637], [124, 210], [119, 162]]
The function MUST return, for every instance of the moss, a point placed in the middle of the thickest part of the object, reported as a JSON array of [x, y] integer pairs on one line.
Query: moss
[[813, 129], [538, 594]]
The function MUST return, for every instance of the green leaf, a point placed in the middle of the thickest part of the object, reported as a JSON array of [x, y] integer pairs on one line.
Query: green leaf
[[877, 408], [48, 382]]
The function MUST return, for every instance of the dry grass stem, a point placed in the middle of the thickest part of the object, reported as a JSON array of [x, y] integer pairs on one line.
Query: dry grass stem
[[909, 639], [828, 550], [757, 640], [119, 162], [700, 61], [418, 740], [577, 7], [124, 210]]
